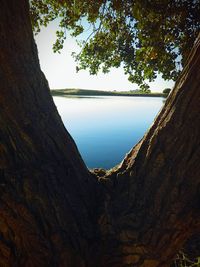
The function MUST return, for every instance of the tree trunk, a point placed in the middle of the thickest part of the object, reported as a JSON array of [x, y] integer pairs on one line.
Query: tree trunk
[[153, 197], [47, 204], [53, 211]]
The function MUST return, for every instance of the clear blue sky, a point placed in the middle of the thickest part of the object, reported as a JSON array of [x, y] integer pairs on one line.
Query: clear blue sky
[[60, 69]]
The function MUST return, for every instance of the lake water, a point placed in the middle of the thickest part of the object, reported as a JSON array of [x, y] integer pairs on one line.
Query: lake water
[[106, 128]]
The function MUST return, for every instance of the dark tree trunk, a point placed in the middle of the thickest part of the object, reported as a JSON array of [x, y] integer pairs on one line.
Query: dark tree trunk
[[47, 201], [53, 211], [153, 197]]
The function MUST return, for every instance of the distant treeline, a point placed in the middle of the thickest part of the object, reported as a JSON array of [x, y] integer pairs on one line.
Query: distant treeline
[[87, 92]]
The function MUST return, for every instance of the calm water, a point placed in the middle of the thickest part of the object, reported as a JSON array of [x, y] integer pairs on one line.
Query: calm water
[[106, 128]]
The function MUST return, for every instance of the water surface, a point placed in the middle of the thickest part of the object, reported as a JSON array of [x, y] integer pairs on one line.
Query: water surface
[[106, 128]]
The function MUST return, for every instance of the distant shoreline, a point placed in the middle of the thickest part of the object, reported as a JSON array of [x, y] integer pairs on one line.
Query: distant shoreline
[[86, 92]]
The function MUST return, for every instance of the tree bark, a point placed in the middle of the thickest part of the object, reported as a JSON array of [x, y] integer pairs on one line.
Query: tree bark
[[53, 211], [48, 200], [153, 201]]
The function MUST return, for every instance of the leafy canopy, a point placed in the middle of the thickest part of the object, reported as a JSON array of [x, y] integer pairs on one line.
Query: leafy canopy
[[166, 91], [146, 36]]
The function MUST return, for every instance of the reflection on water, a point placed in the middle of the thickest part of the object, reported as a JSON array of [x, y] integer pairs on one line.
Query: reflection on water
[[79, 96], [106, 128]]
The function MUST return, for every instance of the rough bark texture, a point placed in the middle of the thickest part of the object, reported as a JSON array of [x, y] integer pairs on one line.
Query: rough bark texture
[[47, 196], [52, 210], [153, 199]]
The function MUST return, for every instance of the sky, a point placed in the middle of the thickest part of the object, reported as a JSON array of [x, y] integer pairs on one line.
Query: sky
[[60, 69]]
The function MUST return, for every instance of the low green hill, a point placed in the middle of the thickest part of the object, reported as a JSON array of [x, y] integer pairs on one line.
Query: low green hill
[[87, 92]]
